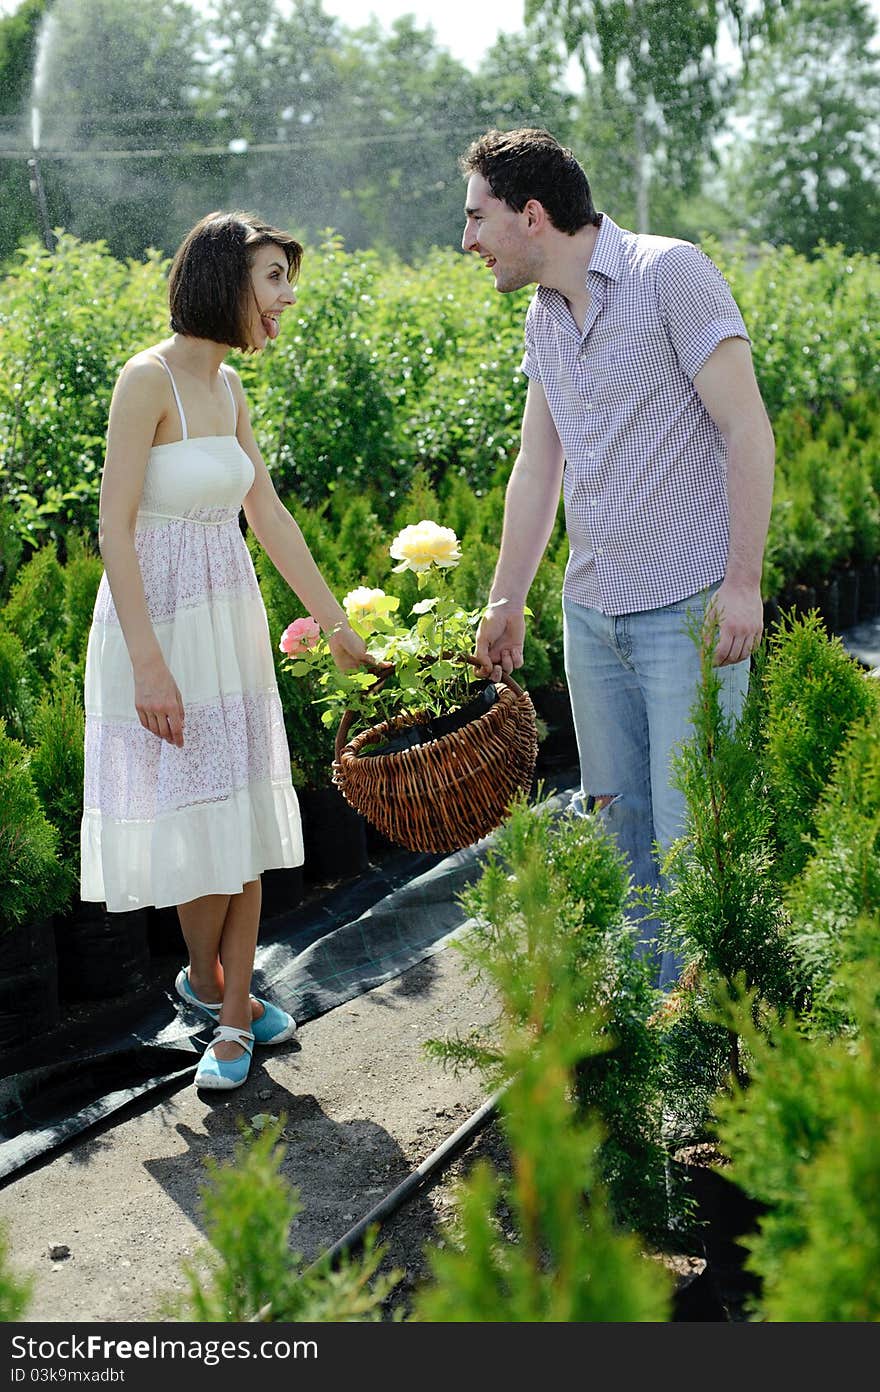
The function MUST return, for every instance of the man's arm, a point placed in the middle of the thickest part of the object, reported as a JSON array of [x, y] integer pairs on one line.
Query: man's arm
[[728, 389], [529, 515]]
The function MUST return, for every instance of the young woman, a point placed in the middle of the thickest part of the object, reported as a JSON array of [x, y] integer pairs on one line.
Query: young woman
[[188, 796]]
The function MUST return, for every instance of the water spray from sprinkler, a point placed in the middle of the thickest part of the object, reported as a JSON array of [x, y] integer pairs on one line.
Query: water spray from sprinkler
[[35, 176]]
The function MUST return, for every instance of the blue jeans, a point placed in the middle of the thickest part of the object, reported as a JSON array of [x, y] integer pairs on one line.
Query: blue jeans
[[633, 680]]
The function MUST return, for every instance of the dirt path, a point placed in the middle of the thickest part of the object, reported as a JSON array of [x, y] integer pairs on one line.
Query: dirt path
[[364, 1107]]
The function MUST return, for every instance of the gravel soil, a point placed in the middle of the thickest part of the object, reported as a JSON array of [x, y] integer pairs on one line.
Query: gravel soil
[[364, 1106]]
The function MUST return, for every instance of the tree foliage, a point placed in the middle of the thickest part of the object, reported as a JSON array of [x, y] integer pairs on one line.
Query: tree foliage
[[656, 93], [153, 113], [810, 170]]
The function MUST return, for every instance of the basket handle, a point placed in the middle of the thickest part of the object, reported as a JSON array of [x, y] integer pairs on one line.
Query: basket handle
[[383, 671]]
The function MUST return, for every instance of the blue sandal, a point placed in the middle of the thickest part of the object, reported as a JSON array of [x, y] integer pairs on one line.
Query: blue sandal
[[273, 1027], [225, 1073]]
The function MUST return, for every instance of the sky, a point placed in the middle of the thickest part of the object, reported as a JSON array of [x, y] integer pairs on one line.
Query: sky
[[467, 29], [464, 27]]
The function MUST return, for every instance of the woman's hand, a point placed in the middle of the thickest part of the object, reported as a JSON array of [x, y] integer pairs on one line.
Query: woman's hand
[[347, 650], [159, 703]]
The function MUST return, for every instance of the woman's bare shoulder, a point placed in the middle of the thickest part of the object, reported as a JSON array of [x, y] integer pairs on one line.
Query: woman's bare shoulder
[[142, 376]]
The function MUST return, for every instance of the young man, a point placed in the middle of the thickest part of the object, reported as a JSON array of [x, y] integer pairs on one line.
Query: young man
[[643, 406]]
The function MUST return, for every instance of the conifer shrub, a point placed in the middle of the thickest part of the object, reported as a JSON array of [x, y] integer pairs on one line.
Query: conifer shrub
[[815, 694], [35, 882], [566, 1259], [18, 684], [11, 548], [697, 1056], [35, 608], [840, 884], [549, 933], [359, 547], [802, 1139], [721, 902], [252, 1272], [58, 758], [82, 576]]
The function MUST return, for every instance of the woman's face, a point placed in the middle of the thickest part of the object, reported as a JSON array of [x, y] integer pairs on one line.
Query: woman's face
[[272, 293]]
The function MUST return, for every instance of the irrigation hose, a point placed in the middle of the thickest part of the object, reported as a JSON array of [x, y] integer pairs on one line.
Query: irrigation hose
[[430, 1167], [435, 1163]]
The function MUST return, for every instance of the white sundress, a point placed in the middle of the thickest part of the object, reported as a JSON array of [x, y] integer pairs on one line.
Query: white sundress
[[163, 825]]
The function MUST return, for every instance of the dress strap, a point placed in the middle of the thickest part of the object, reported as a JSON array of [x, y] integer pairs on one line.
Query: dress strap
[[185, 435], [231, 398]]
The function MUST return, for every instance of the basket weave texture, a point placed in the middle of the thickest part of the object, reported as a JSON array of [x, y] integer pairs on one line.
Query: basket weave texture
[[450, 792]]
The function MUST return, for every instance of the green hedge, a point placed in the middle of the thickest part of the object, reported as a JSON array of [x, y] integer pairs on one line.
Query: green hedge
[[383, 369]]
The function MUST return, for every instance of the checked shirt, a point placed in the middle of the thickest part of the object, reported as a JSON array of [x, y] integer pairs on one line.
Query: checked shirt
[[645, 482]]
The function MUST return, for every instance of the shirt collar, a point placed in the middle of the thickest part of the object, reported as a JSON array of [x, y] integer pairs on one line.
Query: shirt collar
[[605, 260], [608, 250]]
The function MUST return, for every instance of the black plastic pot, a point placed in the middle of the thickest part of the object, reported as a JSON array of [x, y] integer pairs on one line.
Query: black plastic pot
[[164, 933], [723, 1214], [28, 983], [334, 836], [847, 599], [101, 955], [282, 890], [828, 603], [439, 725], [798, 599], [869, 590], [558, 749]]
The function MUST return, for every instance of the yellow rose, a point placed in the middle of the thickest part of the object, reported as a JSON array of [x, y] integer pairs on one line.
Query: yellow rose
[[425, 544], [363, 605]]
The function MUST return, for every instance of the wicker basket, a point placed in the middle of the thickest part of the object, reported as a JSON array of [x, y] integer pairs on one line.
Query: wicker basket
[[450, 792]]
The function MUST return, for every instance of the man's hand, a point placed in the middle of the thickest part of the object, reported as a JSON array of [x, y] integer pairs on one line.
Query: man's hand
[[500, 639], [739, 613]]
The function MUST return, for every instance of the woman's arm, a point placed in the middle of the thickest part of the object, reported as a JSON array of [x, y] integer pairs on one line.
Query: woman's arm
[[283, 542], [137, 407]]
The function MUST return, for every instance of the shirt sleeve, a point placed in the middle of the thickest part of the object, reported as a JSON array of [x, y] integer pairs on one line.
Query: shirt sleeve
[[696, 306], [529, 364]]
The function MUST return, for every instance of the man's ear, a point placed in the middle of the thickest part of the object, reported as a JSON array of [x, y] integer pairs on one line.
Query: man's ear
[[536, 215]]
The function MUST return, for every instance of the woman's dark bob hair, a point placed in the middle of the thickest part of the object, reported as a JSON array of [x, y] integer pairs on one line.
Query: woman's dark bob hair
[[209, 285]]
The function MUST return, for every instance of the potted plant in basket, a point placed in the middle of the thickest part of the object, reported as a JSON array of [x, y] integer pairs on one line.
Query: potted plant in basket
[[428, 754]]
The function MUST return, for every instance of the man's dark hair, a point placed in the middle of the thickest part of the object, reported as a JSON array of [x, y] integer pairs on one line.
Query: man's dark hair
[[209, 284], [530, 163]]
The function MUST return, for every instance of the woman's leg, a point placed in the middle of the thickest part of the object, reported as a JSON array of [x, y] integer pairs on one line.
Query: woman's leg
[[220, 931], [201, 922], [238, 945]]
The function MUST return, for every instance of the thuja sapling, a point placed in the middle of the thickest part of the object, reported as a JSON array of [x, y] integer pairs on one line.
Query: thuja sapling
[[840, 884], [802, 1139], [815, 694], [563, 1258], [550, 936], [721, 902]]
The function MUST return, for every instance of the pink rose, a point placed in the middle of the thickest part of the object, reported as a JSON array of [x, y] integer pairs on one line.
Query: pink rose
[[299, 636]]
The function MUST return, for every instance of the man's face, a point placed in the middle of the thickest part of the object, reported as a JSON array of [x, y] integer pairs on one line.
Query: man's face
[[499, 235]]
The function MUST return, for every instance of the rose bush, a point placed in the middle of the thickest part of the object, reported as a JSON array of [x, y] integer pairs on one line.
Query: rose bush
[[299, 636], [420, 666]]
